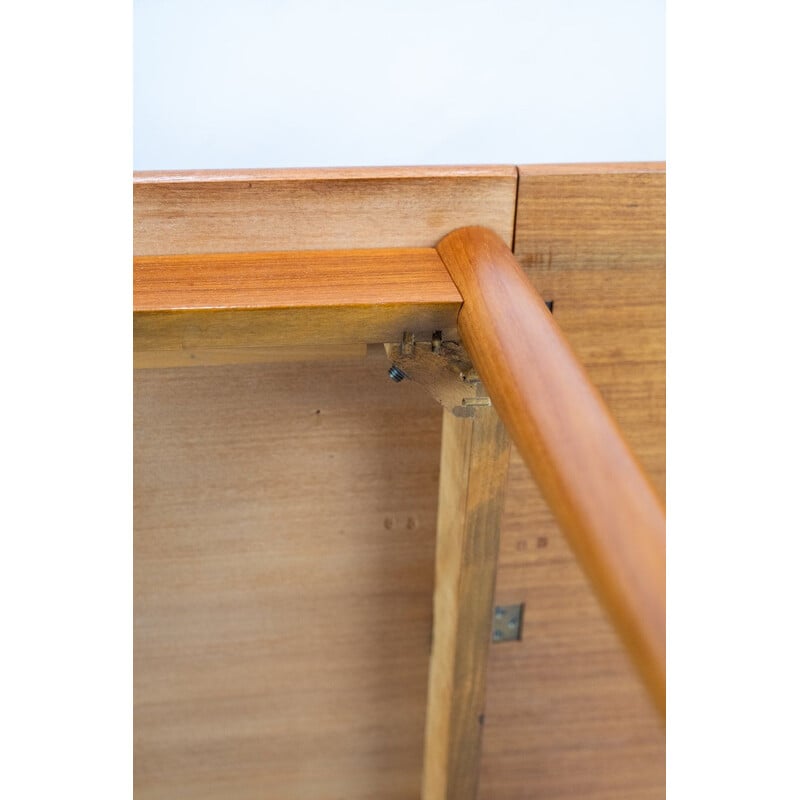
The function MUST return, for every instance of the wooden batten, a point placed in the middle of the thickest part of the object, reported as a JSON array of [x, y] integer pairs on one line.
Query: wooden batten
[[234, 306], [474, 466]]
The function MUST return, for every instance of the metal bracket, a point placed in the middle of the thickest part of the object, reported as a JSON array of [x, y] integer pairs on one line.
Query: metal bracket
[[443, 368], [507, 624]]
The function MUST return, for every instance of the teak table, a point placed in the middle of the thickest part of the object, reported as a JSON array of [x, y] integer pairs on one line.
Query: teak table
[[295, 333]]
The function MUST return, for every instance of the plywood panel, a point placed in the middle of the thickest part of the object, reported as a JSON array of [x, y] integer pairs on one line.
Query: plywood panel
[[566, 716], [283, 576], [252, 210]]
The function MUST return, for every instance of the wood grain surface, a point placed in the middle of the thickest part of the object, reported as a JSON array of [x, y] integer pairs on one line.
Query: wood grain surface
[[284, 521], [473, 474], [249, 301], [258, 210], [566, 715], [558, 421]]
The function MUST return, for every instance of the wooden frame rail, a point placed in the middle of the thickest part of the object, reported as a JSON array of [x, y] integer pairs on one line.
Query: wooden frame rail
[[238, 307]]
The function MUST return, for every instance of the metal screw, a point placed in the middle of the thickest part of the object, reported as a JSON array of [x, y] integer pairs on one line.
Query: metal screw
[[396, 374]]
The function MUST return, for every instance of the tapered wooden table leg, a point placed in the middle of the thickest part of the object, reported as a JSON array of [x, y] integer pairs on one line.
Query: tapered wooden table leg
[[474, 466], [595, 487]]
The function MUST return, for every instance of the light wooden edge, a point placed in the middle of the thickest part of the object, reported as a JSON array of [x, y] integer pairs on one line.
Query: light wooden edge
[[611, 168], [324, 174]]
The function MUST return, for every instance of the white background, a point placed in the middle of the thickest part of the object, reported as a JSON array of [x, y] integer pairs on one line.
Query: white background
[[316, 83]]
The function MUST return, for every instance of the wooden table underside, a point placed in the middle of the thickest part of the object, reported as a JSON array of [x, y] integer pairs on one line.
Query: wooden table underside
[[286, 491]]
